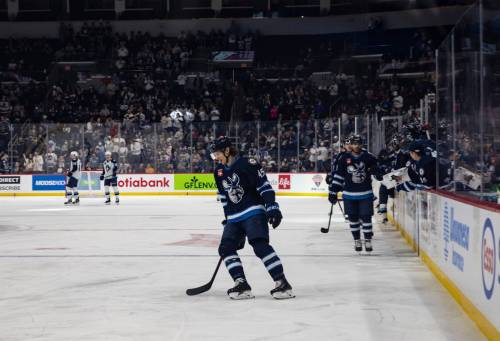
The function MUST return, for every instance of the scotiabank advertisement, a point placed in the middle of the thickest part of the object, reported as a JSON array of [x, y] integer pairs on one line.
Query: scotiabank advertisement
[[146, 183]]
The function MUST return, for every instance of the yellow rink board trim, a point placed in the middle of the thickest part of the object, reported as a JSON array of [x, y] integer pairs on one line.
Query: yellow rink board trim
[[83, 194], [486, 327]]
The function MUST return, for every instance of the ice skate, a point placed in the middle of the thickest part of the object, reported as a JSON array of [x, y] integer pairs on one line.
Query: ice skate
[[283, 290], [368, 245], [358, 245], [241, 290]]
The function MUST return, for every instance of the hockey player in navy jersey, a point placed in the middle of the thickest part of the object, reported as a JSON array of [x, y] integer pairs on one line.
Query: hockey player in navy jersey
[[397, 159], [345, 147], [249, 205], [353, 177], [109, 169], [422, 169], [72, 178]]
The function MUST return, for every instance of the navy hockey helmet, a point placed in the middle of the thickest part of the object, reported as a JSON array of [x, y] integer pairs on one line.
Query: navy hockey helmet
[[220, 144], [356, 139], [416, 147]]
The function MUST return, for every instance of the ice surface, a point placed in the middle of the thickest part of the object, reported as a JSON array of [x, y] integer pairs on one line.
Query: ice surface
[[98, 272]]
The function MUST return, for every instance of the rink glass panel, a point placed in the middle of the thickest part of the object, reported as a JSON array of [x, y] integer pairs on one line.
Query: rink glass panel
[[468, 113]]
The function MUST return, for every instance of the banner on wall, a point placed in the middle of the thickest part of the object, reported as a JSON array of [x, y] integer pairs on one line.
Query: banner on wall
[[145, 182], [49, 183], [10, 183], [194, 182], [283, 183], [89, 181], [463, 241]]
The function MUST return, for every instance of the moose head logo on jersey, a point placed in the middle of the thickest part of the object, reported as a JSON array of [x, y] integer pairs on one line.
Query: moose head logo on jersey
[[357, 171], [233, 188]]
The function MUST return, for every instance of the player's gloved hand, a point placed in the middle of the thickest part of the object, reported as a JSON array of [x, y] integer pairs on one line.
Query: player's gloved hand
[[115, 179], [274, 215], [101, 177], [332, 197], [70, 174], [329, 179], [400, 188]]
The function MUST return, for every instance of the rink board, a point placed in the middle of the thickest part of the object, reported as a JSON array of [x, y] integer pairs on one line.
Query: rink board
[[460, 243], [304, 184]]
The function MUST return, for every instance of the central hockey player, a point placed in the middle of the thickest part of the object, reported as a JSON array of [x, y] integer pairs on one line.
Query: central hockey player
[[353, 176], [109, 169], [249, 205]]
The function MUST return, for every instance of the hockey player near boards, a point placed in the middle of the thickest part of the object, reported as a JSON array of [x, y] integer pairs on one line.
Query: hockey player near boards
[[344, 148], [249, 205], [109, 169], [353, 177], [396, 160], [422, 169], [72, 178]]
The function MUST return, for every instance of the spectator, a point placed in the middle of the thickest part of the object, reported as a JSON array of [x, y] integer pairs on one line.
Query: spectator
[[37, 163]]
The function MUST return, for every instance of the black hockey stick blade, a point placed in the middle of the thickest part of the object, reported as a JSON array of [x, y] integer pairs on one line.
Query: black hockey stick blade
[[206, 287], [327, 229]]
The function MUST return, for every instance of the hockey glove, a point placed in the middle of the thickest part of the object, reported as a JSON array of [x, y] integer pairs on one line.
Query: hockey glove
[[70, 174], [329, 179], [332, 197], [274, 215], [101, 177]]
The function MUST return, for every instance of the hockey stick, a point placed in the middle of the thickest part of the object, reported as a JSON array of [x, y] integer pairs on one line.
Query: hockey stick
[[206, 287], [341, 210], [325, 230]]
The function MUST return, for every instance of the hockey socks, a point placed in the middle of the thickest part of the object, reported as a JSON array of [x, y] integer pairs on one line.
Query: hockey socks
[[270, 259], [355, 229], [234, 266]]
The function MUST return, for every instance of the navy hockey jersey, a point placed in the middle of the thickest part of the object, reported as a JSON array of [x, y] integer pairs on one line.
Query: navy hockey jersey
[[335, 163], [353, 176], [399, 159], [385, 161], [243, 189], [422, 174]]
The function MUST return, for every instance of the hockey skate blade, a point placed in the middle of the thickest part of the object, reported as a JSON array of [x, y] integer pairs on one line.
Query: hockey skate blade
[[246, 295], [283, 295]]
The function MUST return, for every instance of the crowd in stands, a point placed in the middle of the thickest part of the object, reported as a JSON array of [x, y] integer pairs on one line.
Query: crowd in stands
[[156, 114]]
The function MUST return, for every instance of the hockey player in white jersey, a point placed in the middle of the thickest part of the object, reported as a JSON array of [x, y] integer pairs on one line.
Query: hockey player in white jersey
[[72, 178], [109, 169]]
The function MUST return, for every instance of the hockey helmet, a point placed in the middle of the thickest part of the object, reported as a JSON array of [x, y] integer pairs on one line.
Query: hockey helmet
[[220, 144], [356, 139]]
